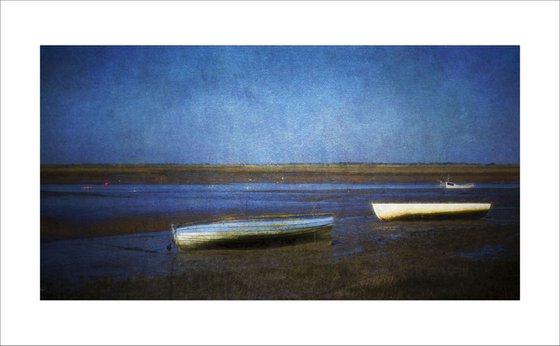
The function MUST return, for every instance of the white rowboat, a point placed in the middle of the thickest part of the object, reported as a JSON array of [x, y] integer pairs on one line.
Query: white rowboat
[[414, 211], [228, 232], [446, 184], [450, 185]]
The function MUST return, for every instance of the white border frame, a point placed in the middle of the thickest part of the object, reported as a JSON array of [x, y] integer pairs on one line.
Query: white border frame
[[27, 320]]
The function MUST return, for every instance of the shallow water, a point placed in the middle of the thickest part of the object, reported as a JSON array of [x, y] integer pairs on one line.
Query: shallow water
[[148, 253], [89, 203]]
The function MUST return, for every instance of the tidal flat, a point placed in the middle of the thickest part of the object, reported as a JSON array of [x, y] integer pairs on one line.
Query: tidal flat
[[105, 234]]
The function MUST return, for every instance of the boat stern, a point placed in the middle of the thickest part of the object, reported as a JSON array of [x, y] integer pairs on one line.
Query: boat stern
[[174, 233]]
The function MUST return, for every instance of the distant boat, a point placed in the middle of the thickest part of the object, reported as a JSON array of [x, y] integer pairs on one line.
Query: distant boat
[[446, 184], [414, 211], [227, 232]]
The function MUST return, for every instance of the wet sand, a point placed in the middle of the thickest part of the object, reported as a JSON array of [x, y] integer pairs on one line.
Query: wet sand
[[362, 259]]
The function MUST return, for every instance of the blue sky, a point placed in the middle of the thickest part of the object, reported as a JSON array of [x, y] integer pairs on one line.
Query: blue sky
[[279, 104]]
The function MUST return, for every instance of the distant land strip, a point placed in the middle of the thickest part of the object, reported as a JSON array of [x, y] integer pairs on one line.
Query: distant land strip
[[276, 173]]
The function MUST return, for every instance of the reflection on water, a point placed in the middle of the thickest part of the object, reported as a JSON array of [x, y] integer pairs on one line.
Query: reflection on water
[[147, 253]]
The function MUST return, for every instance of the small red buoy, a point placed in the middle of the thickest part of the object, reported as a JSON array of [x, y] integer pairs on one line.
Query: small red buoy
[[106, 183]]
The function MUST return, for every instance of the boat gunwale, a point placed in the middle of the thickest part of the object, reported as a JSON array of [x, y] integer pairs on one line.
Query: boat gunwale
[[248, 234], [432, 203], [237, 218]]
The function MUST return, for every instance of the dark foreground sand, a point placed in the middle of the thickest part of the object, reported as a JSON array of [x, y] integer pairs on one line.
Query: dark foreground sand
[[363, 259]]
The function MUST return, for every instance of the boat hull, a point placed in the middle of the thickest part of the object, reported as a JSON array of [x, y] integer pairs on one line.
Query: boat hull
[[459, 186], [250, 231], [416, 211]]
